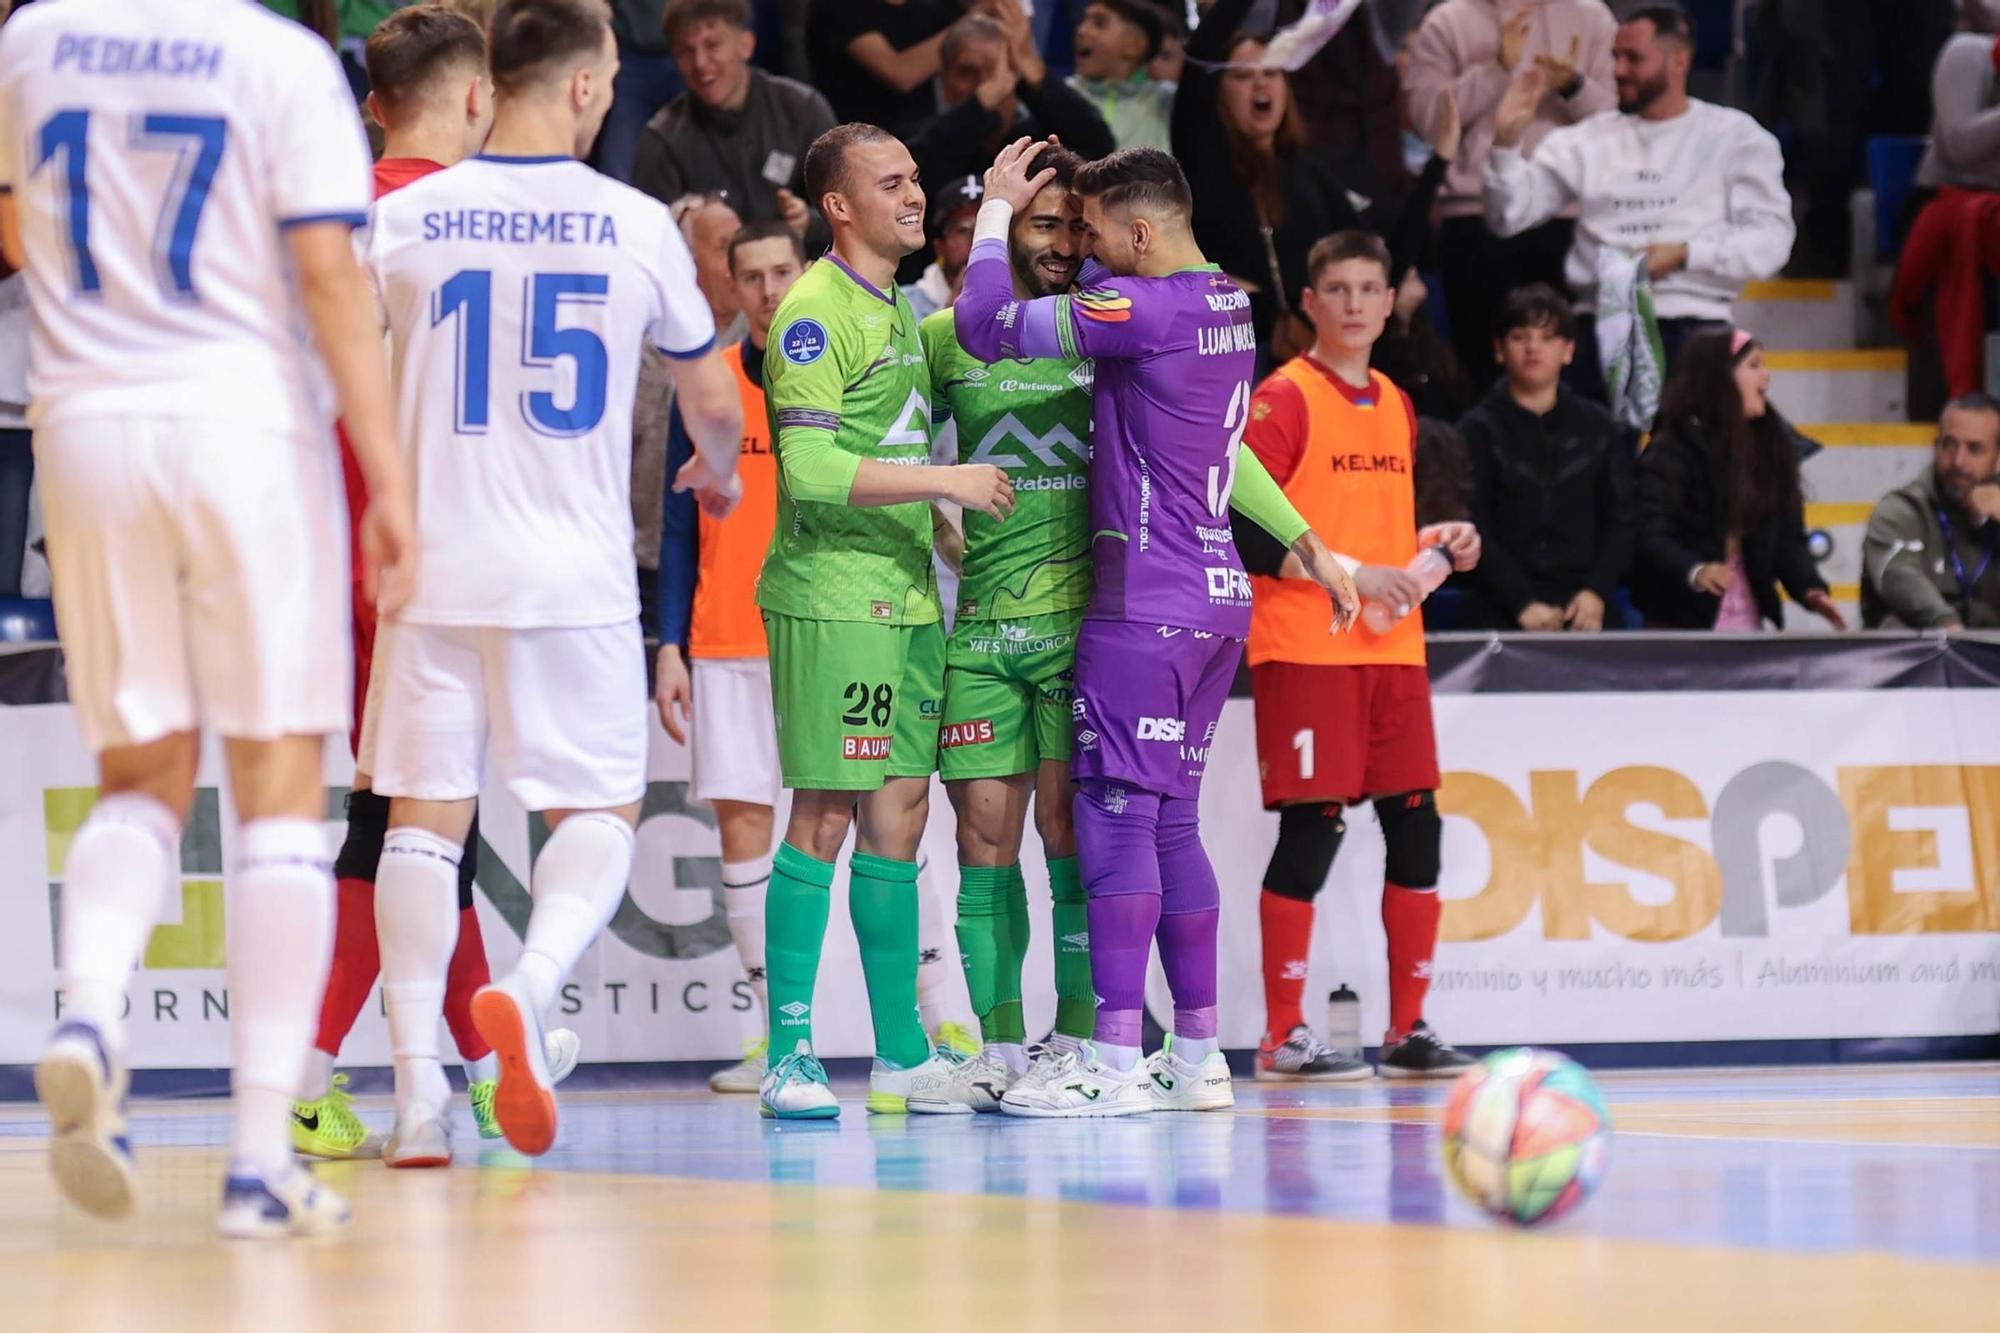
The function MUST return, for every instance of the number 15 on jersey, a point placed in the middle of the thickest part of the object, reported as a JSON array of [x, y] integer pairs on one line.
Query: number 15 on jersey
[[466, 299]]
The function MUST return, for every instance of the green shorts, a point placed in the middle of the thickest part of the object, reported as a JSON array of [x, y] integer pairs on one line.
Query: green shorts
[[857, 703], [1009, 686]]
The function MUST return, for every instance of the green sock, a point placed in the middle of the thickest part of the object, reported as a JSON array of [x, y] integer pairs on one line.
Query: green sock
[[795, 908], [993, 942], [1076, 1000], [882, 902]]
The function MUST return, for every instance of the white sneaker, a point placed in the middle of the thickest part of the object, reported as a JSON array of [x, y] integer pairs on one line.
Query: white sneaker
[[560, 1049], [525, 1101], [82, 1086], [422, 1137], [1075, 1084], [1043, 1058], [747, 1074], [976, 1084], [919, 1090], [1181, 1085], [795, 1089], [255, 1205]]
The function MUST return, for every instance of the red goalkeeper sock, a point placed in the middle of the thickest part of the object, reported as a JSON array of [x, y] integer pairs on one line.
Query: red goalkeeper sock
[[1410, 917], [468, 972], [356, 961], [1288, 925]]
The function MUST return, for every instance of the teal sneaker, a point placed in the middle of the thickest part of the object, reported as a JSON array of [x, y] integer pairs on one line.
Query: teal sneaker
[[796, 1089]]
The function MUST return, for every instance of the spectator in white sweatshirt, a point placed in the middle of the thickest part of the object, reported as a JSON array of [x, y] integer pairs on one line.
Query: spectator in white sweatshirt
[[1696, 189], [1472, 49]]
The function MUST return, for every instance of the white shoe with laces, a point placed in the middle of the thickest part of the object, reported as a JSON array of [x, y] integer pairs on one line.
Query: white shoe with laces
[[1183, 1085], [976, 1085], [747, 1074], [919, 1090], [1074, 1084]]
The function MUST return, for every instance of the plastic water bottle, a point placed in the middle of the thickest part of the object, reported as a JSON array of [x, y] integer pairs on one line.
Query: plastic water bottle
[[1343, 1021], [1430, 567]]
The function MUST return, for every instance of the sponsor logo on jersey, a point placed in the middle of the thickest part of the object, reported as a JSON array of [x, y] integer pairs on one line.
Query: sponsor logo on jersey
[[1074, 481], [1195, 756], [1214, 541], [1047, 449], [864, 747], [1171, 729], [1029, 386], [1233, 299], [881, 610], [979, 731], [977, 374], [1228, 585], [1087, 739], [804, 342], [1084, 376], [1015, 639], [1391, 463], [930, 708]]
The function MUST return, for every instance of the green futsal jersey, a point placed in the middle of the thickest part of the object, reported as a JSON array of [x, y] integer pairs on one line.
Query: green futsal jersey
[[1031, 419], [845, 380]]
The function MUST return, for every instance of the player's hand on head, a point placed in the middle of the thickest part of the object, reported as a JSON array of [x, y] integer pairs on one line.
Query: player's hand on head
[[673, 693], [1008, 177], [1460, 541], [983, 487], [389, 552]]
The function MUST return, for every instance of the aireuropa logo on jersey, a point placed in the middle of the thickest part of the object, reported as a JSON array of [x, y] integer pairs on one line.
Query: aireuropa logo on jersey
[[1647, 853]]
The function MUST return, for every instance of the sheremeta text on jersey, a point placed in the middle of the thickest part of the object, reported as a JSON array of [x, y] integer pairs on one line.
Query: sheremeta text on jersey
[[521, 226]]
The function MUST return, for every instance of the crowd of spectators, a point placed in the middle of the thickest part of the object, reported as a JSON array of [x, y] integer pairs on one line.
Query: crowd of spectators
[[1570, 229]]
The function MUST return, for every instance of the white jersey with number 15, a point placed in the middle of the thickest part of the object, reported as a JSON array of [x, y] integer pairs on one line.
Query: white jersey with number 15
[[519, 295], [156, 153]]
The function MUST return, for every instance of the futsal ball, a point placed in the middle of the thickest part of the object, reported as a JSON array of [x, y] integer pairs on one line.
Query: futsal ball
[[1526, 1135]]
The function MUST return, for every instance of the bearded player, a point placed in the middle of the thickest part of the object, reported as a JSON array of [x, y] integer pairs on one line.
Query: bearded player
[[1175, 355], [1010, 675]]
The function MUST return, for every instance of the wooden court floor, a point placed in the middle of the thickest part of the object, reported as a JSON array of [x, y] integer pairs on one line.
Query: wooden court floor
[[1822, 1199]]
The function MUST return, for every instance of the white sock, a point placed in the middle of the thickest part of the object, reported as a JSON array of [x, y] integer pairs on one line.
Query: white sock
[[1116, 1057], [579, 880], [1196, 1049], [743, 888], [280, 946], [318, 1078], [416, 920], [115, 881], [1064, 1044], [941, 997], [1014, 1055]]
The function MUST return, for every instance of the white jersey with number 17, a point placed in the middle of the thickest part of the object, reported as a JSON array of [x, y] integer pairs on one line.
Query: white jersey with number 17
[[156, 153], [519, 295]]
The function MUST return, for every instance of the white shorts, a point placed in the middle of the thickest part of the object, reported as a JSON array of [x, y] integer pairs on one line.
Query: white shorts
[[200, 574], [735, 740], [565, 711]]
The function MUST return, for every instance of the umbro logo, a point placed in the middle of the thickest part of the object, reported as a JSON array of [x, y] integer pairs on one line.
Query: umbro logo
[[795, 1010], [1080, 940]]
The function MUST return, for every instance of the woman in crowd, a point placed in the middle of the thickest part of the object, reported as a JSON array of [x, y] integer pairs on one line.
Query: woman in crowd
[[1721, 512], [1262, 196]]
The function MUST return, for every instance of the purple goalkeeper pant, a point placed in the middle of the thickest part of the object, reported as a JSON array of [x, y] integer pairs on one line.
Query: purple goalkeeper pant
[[1148, 700]]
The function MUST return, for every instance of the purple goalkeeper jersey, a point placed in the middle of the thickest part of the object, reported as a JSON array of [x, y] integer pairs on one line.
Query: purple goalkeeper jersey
[[1175, 362]]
